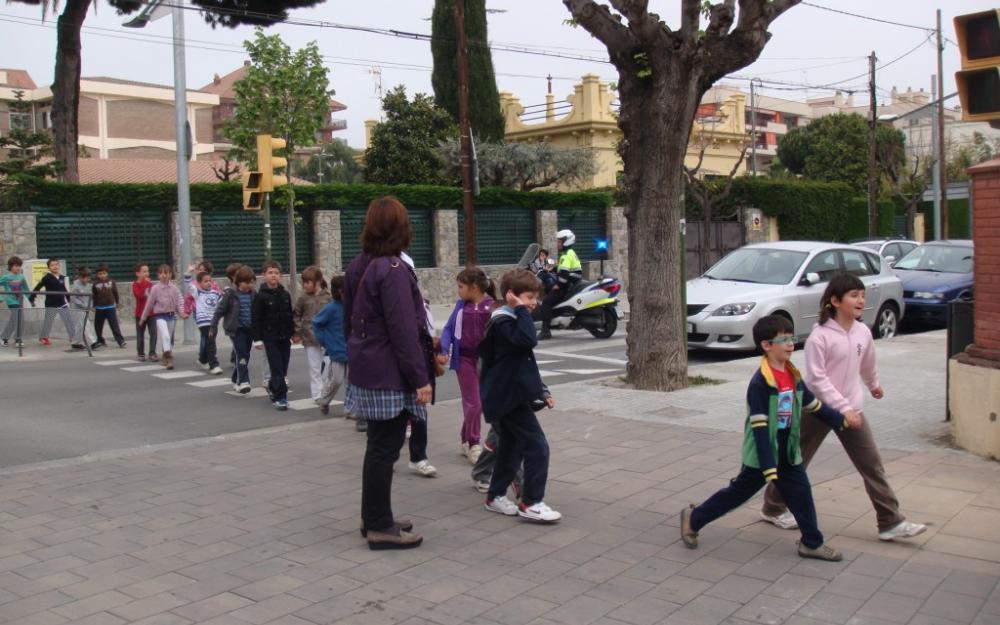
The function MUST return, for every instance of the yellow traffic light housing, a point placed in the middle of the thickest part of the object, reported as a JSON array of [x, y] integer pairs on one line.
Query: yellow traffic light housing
[[267, 162], [978, 82], [253, 195]]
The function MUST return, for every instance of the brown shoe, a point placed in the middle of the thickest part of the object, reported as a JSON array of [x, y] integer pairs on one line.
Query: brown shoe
[[688, 535], [404, 525], [383, 540], [168, 360], [823, 552]]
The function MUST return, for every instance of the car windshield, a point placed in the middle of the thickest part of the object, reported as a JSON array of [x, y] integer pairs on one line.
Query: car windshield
[[760, 265], [940, 258], [871, 246]]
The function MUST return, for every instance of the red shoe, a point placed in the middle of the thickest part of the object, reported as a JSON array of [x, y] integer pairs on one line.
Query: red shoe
[[45, 342]]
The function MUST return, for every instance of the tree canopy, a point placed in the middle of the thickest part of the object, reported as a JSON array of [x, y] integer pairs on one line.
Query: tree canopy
[[335, 162], [404, 146], [484, 100], [520, 165], [834, 148]]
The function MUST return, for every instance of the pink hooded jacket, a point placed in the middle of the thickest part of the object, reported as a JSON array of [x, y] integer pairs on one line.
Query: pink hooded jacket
[[838, 362]]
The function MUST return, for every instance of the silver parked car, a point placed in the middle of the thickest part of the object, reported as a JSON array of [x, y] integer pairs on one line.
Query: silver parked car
[[785, 278], [889, 249]]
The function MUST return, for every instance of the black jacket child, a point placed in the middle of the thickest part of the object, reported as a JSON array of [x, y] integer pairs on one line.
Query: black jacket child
[[509, 377], [55, 289], [272, 314]]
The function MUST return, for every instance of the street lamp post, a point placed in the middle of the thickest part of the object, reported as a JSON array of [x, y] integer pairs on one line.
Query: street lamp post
[[181, 135]]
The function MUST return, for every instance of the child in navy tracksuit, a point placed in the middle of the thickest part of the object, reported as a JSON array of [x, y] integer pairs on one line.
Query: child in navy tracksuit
[[511, 389]]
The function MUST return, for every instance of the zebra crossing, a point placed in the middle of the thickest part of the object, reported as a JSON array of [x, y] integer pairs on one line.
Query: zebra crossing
[[204, 381]]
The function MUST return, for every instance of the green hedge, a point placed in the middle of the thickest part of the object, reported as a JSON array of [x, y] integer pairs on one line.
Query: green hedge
[[958, 219], [224, 196], [857, 224]]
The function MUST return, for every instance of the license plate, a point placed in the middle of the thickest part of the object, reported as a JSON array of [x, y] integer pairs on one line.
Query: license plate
[[690, 328]]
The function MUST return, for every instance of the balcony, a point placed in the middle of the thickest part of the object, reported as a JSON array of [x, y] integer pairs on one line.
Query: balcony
[[776, 128], [336, 124]]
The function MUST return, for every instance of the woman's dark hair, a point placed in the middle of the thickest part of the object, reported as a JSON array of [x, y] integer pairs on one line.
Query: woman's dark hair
[[243, 274], [520, 281], [474, 276], [387, 230], [840, 285], [337, 287], [14, 261]]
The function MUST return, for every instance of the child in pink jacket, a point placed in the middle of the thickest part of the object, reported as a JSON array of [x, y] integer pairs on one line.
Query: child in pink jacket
[[840, 365]]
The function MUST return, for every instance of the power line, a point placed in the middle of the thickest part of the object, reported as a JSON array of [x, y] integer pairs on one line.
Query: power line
[[866, 17]]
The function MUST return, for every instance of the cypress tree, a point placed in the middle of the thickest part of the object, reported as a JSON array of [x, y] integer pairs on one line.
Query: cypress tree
[[484, 100]]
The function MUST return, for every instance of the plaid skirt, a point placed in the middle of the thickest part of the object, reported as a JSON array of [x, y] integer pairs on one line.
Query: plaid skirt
[[378, 404]]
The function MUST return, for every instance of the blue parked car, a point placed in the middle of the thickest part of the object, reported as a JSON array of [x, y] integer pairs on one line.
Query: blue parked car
[[933, 275]]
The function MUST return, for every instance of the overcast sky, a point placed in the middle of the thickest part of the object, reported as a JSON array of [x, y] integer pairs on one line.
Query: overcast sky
[[809, 46]]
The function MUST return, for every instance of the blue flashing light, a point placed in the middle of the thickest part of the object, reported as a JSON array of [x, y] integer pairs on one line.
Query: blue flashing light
[[602, 245]]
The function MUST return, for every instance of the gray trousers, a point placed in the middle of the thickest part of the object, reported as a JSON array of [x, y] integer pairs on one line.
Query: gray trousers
[[482, 471], [15, 324], [863, 452], [72, 329]]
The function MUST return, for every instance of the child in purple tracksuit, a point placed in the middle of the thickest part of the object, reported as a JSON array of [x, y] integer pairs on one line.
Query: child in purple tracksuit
[[460, 339]]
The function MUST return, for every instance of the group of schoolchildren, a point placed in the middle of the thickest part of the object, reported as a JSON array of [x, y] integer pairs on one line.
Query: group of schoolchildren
[[488, 341]]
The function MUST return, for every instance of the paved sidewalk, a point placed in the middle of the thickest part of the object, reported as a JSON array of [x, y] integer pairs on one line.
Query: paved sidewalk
[[261, 528]]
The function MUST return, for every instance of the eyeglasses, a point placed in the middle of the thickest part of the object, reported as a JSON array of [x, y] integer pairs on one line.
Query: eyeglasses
[[784, 340]]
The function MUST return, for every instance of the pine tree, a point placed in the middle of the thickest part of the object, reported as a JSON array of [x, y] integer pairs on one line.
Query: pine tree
[[484, 100], [25, 146]]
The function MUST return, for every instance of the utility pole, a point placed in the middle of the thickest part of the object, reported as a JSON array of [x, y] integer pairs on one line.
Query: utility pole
[[183, 147], [753, 129], [466, 133], [942, 167], [935, 155], [292, 251], [872, 169]]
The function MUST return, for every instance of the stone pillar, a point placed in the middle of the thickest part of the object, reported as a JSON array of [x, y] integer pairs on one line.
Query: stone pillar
[[326, 241], [445, 226], [546, 227], [196, 242], [758, 227], [617, 229], [974, 375], [18, 235]]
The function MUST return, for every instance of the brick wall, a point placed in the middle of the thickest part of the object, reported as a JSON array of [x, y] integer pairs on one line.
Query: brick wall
[[87, 117], [142, 152], [986, 237], [140, 119]]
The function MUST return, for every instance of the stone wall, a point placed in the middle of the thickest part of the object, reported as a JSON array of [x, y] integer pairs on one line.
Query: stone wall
[[445, 237], [175, 244], [326, 240], [18, 236]]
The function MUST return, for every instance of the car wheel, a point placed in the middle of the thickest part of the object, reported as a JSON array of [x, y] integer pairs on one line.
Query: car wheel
[[886, 322]]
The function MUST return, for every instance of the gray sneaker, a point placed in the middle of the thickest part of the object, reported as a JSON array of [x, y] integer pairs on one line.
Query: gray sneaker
[[903, 529], [823, 552]]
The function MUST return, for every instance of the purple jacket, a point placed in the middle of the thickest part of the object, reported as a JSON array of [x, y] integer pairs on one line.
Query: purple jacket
[[385, 325]]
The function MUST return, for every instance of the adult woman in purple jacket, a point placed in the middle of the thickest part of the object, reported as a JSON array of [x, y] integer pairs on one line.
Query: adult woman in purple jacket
[[389, 356]]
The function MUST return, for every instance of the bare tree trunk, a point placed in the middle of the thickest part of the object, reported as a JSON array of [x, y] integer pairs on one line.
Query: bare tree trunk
[[653, 159], [66, 88]]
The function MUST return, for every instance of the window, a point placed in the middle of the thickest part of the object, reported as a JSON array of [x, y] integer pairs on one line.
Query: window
[[893, 249], [825, 264], [876, 262], [20, 121], [856, 263], [46, 119]]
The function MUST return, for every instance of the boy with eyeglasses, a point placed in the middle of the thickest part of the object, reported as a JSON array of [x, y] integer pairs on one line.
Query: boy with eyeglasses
[[776, 398]]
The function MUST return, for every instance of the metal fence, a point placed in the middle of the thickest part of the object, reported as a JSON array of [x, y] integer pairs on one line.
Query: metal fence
[[352, 222], [589, 225], [24, 325], [502, 234], [237, 236]]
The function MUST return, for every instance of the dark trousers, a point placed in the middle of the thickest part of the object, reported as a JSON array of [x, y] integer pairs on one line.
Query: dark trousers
[[385, 439], [482, 471], [549, 303], [521, 441], [792, 482], [863, 452], [141, 330], [206, 347], [111, 316], [242, 341], [278, 354], [418, 440]]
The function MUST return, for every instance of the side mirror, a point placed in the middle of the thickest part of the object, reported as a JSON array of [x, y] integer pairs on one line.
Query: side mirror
[[811, 278], [891, 260]]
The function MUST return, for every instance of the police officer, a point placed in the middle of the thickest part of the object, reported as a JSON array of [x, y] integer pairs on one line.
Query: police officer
[[568, 273]]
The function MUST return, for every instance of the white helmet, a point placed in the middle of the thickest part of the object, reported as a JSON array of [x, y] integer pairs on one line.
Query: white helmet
[[568, 235]]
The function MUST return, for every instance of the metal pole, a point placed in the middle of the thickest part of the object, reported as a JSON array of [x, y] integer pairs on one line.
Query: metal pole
[[267, 226], [872, 170], [942, 165], [753, 128], [463, 120], [292, 251], [180, 136], [935, 170]]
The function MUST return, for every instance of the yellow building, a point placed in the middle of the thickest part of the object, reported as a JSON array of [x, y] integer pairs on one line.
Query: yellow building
[[587, 119]]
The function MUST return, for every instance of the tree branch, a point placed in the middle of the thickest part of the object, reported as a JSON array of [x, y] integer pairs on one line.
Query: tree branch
[[742, 46], [721, 18], [607, 28], [690, 19]]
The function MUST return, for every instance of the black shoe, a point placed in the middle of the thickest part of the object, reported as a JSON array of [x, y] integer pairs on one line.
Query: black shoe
[[404, 525], [382, 540], [544, 335], [78, 346], [96, 345]]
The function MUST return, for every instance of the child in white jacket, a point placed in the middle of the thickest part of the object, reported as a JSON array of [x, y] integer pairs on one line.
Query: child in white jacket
[[840, 364]]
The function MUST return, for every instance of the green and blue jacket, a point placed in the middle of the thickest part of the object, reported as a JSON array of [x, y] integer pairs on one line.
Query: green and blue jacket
[[760, 439]]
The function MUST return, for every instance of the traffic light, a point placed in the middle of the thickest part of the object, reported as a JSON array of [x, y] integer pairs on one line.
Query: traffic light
[[267, 162], [253, 195], [978, 82]]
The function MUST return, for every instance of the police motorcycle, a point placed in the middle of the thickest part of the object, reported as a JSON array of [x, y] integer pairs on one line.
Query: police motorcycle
[[591, 306]]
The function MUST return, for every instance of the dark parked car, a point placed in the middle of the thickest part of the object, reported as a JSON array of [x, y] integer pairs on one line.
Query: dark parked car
[[933, 275]]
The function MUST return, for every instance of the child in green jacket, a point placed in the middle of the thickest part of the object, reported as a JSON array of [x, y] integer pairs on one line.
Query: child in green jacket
[[16, 288]]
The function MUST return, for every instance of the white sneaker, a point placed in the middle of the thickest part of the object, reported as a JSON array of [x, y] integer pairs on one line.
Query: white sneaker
[[216, 370], [464, 450], [244, 388], [423, 468], [502, 505], [785, 520], [482, 486], [904, 529], [539, 512], [474, 452], [236, 387], [204, 366]]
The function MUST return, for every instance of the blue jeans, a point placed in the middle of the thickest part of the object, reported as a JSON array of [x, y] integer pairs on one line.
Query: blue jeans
[[278, 354], [521, 440], [792, 483], [242, 341], [206, 348]]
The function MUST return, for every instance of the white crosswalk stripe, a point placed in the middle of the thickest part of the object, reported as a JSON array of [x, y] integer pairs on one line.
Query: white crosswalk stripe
[[551, 374], [141, 368], [221, 381], [113, 363], [176, 375]]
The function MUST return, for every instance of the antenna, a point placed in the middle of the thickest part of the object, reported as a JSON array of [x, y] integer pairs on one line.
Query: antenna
[[375, 71]]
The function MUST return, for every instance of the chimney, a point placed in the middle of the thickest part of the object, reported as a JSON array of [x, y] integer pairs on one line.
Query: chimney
[[216, 79], [246, 63]]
